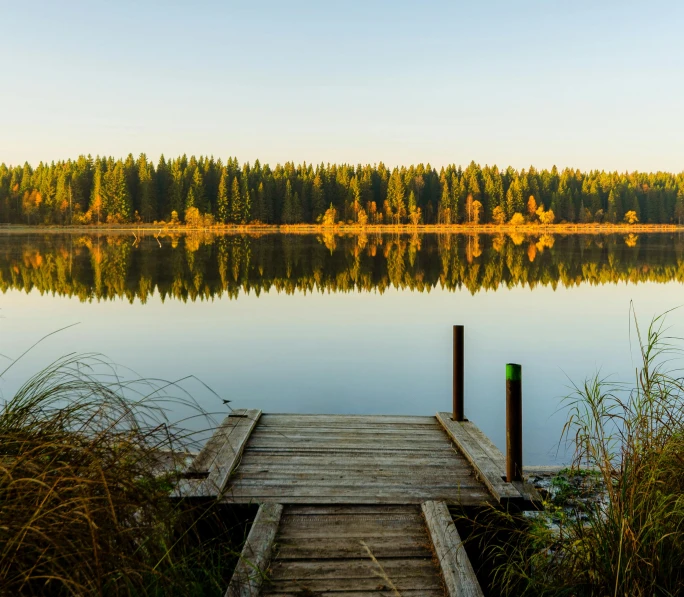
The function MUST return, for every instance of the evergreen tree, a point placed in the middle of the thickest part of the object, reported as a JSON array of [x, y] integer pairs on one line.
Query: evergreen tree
[[235, 202], [246, 212], [146, 189], [288, 205], [222, 201], [196, 197], [396, 196], [317, 199]]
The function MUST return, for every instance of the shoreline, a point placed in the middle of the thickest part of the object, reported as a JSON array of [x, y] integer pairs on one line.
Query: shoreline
[[342, 229]]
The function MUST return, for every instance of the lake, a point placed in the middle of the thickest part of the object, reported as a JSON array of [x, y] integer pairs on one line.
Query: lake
[[345, 324]]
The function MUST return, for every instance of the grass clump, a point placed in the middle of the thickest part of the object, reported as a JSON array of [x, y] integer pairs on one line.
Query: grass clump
[[87, 462], [630, 541]]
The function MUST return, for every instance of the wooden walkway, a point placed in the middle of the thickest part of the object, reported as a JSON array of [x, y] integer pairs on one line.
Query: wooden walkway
[[352, 504]]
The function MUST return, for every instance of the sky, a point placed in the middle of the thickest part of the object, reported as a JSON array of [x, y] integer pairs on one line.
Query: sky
[[583, 83]]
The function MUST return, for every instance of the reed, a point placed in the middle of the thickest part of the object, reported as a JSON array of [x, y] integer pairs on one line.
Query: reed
[[630, 542], [87, 461]]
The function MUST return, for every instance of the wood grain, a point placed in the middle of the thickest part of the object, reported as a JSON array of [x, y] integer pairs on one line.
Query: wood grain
[[256, 553], [457, 570]]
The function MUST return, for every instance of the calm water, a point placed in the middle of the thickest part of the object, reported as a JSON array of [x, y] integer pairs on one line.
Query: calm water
[[358, 324]]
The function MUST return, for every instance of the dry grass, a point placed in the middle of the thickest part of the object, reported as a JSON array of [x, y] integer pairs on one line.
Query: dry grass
[[84, 506]]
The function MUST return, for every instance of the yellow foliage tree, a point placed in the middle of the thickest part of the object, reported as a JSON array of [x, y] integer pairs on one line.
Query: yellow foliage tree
[[631, 217], [415, 216], [330, 216], [545, 217], [532, 207], [476, 212], [517, 220], [498, 216], [193, 218]]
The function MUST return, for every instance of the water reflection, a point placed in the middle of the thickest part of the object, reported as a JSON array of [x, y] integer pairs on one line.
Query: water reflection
[[195, 267]]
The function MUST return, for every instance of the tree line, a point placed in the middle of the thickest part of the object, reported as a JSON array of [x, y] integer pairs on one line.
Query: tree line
[[202, 267], [204, 191]]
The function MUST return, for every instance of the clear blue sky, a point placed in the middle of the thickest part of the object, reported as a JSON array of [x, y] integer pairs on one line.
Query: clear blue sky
[[592, 84]]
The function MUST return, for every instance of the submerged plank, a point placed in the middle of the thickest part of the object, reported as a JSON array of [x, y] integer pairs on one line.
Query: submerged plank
[[457, 570], [221, 454], [256, 554]]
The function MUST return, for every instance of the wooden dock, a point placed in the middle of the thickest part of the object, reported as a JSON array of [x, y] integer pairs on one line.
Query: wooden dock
[[352, 504]]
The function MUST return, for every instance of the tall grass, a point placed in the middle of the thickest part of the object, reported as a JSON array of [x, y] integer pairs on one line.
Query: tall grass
[[632, 541], [86, 465]]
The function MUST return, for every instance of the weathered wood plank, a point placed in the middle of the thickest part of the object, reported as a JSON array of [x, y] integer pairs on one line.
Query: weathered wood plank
[[394, 511], [256, 554], [315, 548], [355, 529], [474, 497], [457, 570], [360, 567], [283, 418], [401, 462], [220, 455], [368, 584], [324, 459], [389, 431], [350, 440], [487, 470], [320, 446], [356, 474], [374, 593], [527, 490], [352, 551]]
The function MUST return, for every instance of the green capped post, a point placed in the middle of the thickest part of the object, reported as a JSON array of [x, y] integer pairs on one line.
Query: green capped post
[[513, 372], [514, 460]]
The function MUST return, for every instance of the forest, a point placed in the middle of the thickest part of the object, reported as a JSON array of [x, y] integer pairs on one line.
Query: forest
[[206, 266], [204, 192]]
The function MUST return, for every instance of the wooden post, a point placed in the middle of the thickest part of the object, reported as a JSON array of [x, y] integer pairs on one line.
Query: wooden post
[[458, 374], [514, 460]]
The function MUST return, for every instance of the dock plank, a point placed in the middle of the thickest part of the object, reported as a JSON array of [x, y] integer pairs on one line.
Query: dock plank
[[256, 553], [220, 455], [353, 550], [488, 470], [457, 570]]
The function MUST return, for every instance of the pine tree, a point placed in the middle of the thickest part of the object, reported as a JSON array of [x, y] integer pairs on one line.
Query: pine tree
[[222, 201], [288, 205], [396, 196], [317, 199], [146, 189], [196, 196], [62, 195], [444, 209], [260, 205], [246, 215], [614, 207], [235, 202], [176, 188]]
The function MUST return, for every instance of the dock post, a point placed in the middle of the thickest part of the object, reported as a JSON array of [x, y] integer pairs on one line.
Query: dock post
[[458, 414], [514, 459]]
